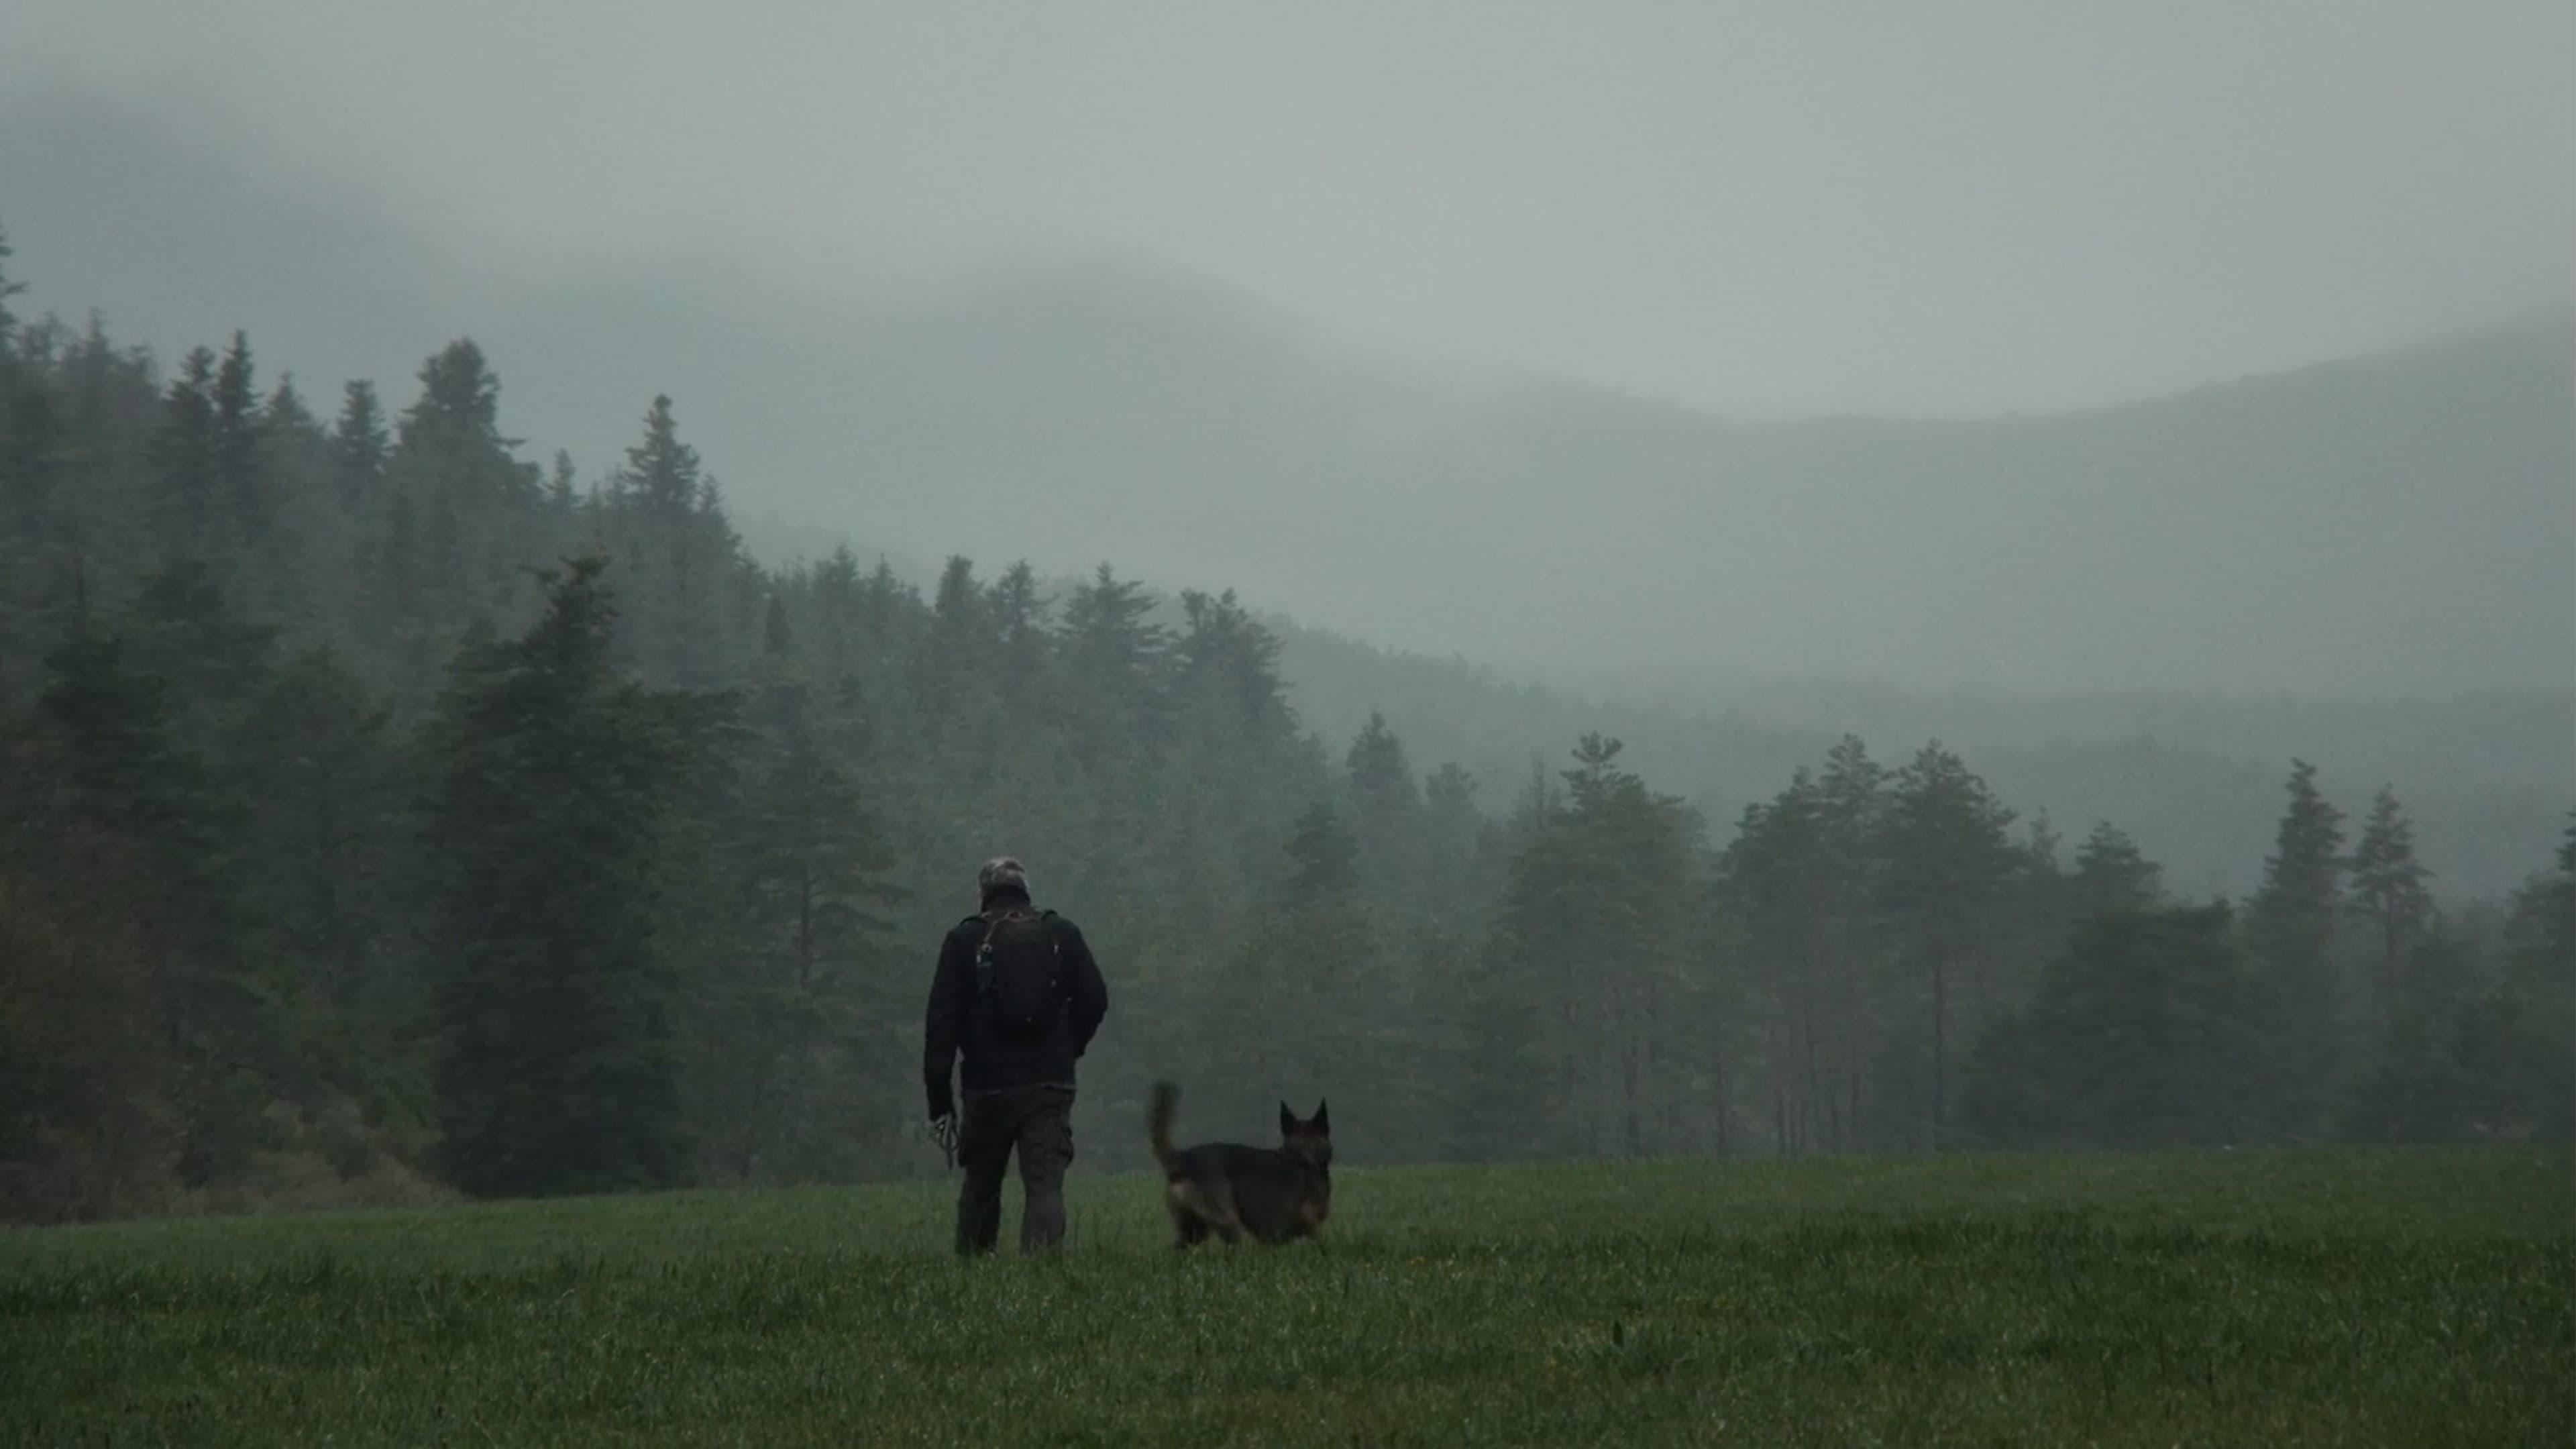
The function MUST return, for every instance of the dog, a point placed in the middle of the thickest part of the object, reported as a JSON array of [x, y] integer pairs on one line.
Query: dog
[[1273, 1195]]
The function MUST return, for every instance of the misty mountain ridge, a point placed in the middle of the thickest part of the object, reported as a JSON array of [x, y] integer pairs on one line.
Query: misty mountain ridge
[[2382, 526]]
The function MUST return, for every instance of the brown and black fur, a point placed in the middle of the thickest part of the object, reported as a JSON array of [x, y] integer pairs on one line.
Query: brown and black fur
[[1270, 1194]]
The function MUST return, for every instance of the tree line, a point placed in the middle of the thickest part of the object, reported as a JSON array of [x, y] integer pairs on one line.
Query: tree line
[[384, 814]]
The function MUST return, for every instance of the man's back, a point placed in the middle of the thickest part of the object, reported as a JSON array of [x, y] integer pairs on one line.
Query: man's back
[[1020, 1044], [996, 1058]]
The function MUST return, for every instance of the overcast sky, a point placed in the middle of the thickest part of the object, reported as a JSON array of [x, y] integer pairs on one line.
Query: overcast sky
[[1921, 208]]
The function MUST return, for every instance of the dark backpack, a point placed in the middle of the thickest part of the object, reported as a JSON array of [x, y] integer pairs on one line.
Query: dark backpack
[[1019, 977]]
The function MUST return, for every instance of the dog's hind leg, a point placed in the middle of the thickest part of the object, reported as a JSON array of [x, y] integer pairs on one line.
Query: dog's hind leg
[[1201, 1208], [1193, 1232]]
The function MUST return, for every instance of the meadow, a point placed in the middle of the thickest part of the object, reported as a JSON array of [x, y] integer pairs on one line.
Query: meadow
[[2313, 1297]]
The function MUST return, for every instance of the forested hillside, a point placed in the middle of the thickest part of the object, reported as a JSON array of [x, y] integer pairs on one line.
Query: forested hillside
[[2487, 776], [386, 811]]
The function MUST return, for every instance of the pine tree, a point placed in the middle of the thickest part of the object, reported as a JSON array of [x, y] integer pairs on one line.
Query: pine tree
[[2291, 930], [1775, 887], [1851, 803], [234, 458], [555, 781], [285, 417], [1388, 804], [1232, 659], [662, 474], [359, 446], [1114, 658], [952, 675], [1323, 856], [1459, 869], [1601, 950], [187, 484], [473, 509], [2531, 1016], [325, 819], [2137, 1037], [87, 1096], [562, 493], [679, 558], [1948, 868], [33, 454], [138, 829], [784, 1041], [2111, 874], [777, 635], [2390, 894], [8, 289]]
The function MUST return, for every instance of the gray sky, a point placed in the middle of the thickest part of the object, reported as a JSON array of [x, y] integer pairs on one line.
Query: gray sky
[[1933, 208]]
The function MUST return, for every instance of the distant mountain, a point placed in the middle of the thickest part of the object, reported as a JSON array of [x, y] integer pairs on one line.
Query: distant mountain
[[2388, 525], [2195, 779]]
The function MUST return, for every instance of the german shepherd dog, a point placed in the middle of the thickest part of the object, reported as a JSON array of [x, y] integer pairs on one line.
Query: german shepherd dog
[[1225, 1188]]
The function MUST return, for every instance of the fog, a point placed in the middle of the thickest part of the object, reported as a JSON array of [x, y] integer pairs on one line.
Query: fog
[[1612, 581], [1453, 329], [1766, 210]]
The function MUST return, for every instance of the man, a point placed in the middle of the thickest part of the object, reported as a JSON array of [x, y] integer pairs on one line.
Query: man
[[1019, 995]]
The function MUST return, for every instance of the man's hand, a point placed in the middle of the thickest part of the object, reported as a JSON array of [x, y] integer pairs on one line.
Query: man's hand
[[943, 1130]]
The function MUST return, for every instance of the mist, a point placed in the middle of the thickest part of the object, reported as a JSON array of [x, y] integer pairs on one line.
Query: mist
[[1273, 301], [1738, 582], [1958, 213]]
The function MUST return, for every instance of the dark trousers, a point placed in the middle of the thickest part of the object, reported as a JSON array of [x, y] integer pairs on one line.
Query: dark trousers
[[1039, 1122]]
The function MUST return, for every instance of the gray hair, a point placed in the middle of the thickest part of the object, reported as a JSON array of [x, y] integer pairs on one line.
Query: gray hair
[[1001, 873]]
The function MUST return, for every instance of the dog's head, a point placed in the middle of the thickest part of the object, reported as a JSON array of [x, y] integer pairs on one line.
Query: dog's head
[[1311, 1138]]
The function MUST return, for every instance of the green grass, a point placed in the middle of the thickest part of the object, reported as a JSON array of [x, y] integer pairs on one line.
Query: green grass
[[2403, 1298]]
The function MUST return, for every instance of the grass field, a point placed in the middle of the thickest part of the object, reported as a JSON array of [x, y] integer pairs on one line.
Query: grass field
[[2403, 1298]]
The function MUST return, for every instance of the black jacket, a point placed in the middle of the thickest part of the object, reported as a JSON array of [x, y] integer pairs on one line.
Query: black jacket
[[993, 1062]]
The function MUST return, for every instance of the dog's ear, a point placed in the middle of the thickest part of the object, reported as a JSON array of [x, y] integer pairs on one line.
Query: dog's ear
[[1287, 1121], [1322, 1123]]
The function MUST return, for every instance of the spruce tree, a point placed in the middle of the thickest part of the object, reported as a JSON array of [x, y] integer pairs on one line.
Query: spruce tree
[[792, 1010], [186, 482], [237, 474], [8, 289], [1775, 887], [2137, 1037], [555, 782], [1948, 866], [2389, 892], [1323, 856], [2290, 928], [1388, 805], [1851, 803], [2111, 874], [359, 445]]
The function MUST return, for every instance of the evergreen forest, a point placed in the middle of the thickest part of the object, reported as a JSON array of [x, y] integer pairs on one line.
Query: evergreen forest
[[390, 811]]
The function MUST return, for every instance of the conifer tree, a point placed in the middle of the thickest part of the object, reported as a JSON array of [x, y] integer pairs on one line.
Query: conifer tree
[[2111, 875], [359, 445], [234, 461], [8, 289], [2290, 928], [187, 482], [2390, 894], [555, 782], [1388, 804], [1323, 857], [1948, 865], [2137, 1037], [798, 1007], [1851, 805]]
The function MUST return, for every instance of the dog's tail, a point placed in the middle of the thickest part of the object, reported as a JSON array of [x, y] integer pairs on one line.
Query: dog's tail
[[1158, 1123]]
